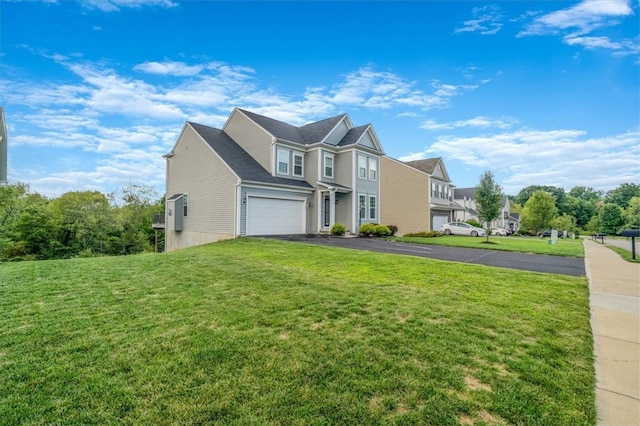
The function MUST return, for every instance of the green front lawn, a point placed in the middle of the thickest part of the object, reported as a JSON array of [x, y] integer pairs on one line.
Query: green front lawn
[[563, 247], [255, 331]]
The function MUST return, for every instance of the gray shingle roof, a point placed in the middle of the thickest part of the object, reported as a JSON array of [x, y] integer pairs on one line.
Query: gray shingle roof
[[427, 165], [353, 135], [243, 164], [460, 193], [307, 134]]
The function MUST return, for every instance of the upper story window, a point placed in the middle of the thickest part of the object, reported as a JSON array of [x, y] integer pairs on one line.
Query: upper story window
[[328, 165], [362, 167], [283, 161], [373, 169], [298, 164], [434, 190], [289, 162]]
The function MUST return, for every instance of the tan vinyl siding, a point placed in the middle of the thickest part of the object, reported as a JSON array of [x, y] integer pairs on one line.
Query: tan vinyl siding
[[195, 169], [251, 138], [404, 197]]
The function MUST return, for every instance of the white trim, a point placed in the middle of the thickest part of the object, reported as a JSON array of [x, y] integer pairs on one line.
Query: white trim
[[325, 156]]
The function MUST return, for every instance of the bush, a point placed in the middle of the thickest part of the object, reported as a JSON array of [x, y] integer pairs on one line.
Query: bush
[[371, 229], [393, 229], [423, 234], [338, 229]]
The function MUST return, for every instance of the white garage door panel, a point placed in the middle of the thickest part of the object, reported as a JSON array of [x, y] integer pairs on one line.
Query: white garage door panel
[[439, 220], [274, 216]]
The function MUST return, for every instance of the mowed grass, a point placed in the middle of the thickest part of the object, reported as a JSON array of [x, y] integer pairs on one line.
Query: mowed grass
[[260, 332], [563, 247]]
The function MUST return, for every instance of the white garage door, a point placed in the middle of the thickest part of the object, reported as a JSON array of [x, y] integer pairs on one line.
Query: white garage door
[[439, 220], [275, 216]]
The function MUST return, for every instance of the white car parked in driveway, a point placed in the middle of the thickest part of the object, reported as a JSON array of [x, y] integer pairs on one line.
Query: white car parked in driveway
[[461, 228]]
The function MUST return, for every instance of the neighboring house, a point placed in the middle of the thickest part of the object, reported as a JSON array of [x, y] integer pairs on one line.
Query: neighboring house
[[260, 176], [416, 195], [465, 197]]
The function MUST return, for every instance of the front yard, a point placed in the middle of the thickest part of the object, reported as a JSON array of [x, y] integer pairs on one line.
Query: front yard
[[563, 247], [255, 331]]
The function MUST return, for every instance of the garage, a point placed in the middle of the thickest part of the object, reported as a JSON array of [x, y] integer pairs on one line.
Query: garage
[[439, 220], [275, 216]]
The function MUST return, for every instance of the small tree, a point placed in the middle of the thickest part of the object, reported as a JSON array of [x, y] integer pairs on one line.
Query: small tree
[[488, 199], [540, 210], [611, 218]]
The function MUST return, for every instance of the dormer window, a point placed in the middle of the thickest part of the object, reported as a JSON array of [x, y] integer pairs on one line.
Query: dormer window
[[289, 162], [298, 169], [283, 161]]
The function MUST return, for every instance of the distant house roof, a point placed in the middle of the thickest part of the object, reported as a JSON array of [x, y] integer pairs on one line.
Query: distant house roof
[[242, 164], [468, 193], [427, 165]]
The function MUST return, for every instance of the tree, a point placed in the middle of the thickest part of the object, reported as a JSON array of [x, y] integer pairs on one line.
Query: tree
[[611, 218], [488, 199], [559, 194], [623, 194], [540, 210], [632, 214], [585, 193]]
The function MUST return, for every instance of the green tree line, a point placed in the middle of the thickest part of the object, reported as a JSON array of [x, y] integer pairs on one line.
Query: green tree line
[[582, 209], [77, 224]]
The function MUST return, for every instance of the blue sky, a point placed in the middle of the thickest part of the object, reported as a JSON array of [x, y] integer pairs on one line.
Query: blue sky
[[538, 92]]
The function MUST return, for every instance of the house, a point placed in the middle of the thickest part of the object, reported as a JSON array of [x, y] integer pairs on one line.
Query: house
[[261, 176], [465, 198], [416, 195]]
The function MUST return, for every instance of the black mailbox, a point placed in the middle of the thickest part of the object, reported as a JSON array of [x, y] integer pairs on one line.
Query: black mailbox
[[633, 233], [630, 233]]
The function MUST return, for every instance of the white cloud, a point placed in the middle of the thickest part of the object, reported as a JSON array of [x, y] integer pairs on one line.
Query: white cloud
[[475, 122], [554, 157], [116, 5], [169, 68], [487, 20], [576, 23]]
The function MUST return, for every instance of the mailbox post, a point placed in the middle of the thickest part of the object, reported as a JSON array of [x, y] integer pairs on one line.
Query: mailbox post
[[633, 233]]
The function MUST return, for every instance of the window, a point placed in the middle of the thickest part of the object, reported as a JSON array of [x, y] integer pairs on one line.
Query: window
[[372, 207], [373, 169], [362, 201], [328, 165], [297, 164], [433, 190], [362, 167], [185, 204], [283, 161]]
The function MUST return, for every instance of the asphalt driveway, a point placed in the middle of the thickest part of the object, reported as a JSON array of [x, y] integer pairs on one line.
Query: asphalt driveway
[[523, 261]]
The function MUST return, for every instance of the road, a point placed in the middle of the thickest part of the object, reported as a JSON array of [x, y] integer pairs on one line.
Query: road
[[523, 261]]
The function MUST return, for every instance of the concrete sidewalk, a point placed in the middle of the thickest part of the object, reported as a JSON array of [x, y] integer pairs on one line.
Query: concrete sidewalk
[[614, 293]]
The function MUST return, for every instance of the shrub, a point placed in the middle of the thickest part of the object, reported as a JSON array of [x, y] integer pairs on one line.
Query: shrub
[[393, 229], [338, 229], [366, 230], [372, 229], [381, 231], [423, 234]]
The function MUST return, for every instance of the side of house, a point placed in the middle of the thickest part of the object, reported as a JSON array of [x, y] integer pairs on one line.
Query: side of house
[[417, 195], [261, 176]]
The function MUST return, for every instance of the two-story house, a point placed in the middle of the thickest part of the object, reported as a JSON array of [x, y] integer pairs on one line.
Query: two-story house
[[417, 195], [261, 176], [466, 199]]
